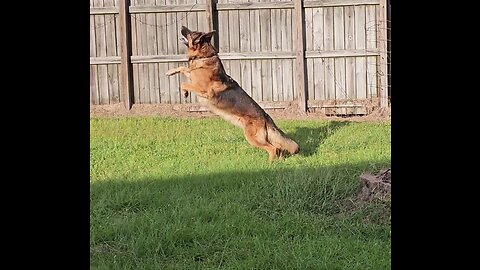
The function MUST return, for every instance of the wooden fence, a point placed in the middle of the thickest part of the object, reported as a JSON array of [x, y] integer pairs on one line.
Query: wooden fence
[[328, 55]]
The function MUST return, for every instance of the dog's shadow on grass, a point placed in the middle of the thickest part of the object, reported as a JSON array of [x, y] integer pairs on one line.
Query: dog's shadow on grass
[[309, 139]]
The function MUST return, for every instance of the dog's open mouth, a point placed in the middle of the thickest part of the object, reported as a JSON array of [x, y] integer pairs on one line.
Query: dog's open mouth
[[184, 40]]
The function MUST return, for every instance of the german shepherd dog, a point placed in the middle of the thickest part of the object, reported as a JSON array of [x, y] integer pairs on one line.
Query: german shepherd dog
[[226, 98]]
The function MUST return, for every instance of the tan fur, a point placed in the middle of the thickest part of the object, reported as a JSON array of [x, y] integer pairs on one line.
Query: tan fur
[[226, 98]]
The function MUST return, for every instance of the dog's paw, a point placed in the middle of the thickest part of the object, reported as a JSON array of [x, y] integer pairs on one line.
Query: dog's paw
[[171, 72]]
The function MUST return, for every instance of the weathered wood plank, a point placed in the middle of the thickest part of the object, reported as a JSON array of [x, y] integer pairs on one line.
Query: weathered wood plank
[[360, 27], [93, 48], [113, 90], [371, 43], [287, 80], [121, 87], [234, 43], [267, 80], [111, 46], [341, 53], [210, 16], [169, 8], [181, 19], [135, 69], [339, 44], [110, 32], [162, 37], [226, 65], [223, 37], [234, 30], [255, 5], [319, 79], [151, 40], [339, 3], [103, 84], [143, 50], [371, 27], [172, 49], [101, 50], [265, 42], [94, 96], [309, 34], [236, 71], [103, 10], [255, 32], [244, 21], [300, 67], [382, 47], [311, 74], [175, 95], [237, 56], [350, 45], [246, 83], [202, 22], [277, 86], [192, 24], [257, 80], [287, 47], [372, 87], [290, 5], [329, 46], [164, 83], [360, 45], [317, 15]]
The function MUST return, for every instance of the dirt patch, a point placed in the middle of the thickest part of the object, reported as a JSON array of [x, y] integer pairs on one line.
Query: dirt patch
[[377, 186], [185, 111]]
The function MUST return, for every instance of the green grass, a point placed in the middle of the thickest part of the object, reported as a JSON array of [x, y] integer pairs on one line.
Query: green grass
[[192, 194]]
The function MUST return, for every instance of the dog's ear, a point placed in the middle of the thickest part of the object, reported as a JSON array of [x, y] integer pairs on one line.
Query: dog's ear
[[185, 31], [205, 38]]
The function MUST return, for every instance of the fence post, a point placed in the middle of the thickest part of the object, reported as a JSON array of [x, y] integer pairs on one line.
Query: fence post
[[212, 19], [382, 48], [126, 52], [300, 82]]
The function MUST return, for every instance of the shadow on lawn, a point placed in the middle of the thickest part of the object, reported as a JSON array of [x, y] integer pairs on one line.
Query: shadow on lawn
[[320, 190], [309, 139], [186, 214]]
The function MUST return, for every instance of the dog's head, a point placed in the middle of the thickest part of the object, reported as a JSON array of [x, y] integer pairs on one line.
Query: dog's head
[[198, 43]]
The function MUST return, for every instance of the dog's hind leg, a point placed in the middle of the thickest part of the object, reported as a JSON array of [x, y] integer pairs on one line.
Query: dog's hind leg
[[258, 138]]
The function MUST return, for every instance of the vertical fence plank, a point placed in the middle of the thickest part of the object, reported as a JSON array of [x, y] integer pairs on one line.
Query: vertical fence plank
[[371, 28], [317, 65], [192, 24], [93, 68], [300, 66], [360, 62], [163, 82], [151, 40], [382, 47], [350, 45], [339, 44], [329, 46]]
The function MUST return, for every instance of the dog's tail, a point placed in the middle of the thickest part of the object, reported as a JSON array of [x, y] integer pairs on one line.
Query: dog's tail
[[278, 139]]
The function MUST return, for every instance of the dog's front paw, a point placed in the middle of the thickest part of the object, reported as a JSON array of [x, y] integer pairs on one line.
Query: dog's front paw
[[171, 72]]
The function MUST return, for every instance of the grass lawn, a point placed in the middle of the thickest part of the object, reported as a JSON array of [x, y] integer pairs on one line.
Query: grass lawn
[[193, 194]]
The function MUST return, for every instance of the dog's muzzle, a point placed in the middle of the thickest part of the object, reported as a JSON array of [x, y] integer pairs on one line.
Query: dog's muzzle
[[184, 40]]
